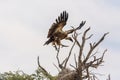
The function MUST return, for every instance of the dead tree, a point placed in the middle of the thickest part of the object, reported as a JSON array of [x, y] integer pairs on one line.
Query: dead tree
[[83, 63]]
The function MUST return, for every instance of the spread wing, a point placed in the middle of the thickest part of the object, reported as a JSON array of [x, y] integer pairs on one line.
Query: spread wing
[[59, 24]]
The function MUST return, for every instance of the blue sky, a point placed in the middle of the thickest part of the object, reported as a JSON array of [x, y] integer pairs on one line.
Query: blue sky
[[24, 25]]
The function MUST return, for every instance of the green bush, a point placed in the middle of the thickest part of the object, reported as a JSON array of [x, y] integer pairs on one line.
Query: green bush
[[16, 75]]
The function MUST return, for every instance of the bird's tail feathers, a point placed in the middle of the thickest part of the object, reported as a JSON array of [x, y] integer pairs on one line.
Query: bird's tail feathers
[[47, 42]]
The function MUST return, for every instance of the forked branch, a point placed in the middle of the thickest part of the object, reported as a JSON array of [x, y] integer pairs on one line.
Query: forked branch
[[93, 46]]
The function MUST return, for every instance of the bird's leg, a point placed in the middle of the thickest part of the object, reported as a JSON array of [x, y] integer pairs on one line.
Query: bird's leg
[[69, 38], [64, 45], [54, 45], [60, 44], [56, 48], [57, 43]]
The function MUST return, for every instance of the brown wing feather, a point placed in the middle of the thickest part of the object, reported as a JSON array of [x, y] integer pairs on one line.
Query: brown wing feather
[[59, 24]]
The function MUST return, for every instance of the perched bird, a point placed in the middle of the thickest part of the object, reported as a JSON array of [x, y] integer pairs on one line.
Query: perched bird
[[56, 34]]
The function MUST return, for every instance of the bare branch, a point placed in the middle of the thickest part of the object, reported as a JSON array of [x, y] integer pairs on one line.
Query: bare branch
[[109, 78], [88, 74], [57, 56], [44, 72], [73, 66], [92, 47], [83, 43], [56, 67], [75, 35], [89, 36], [63, 62], [75, 61], [69, 55], [100, 40], [96, 62]]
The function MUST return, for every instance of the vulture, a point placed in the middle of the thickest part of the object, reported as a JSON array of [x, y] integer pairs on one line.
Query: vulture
[[56, 33]]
